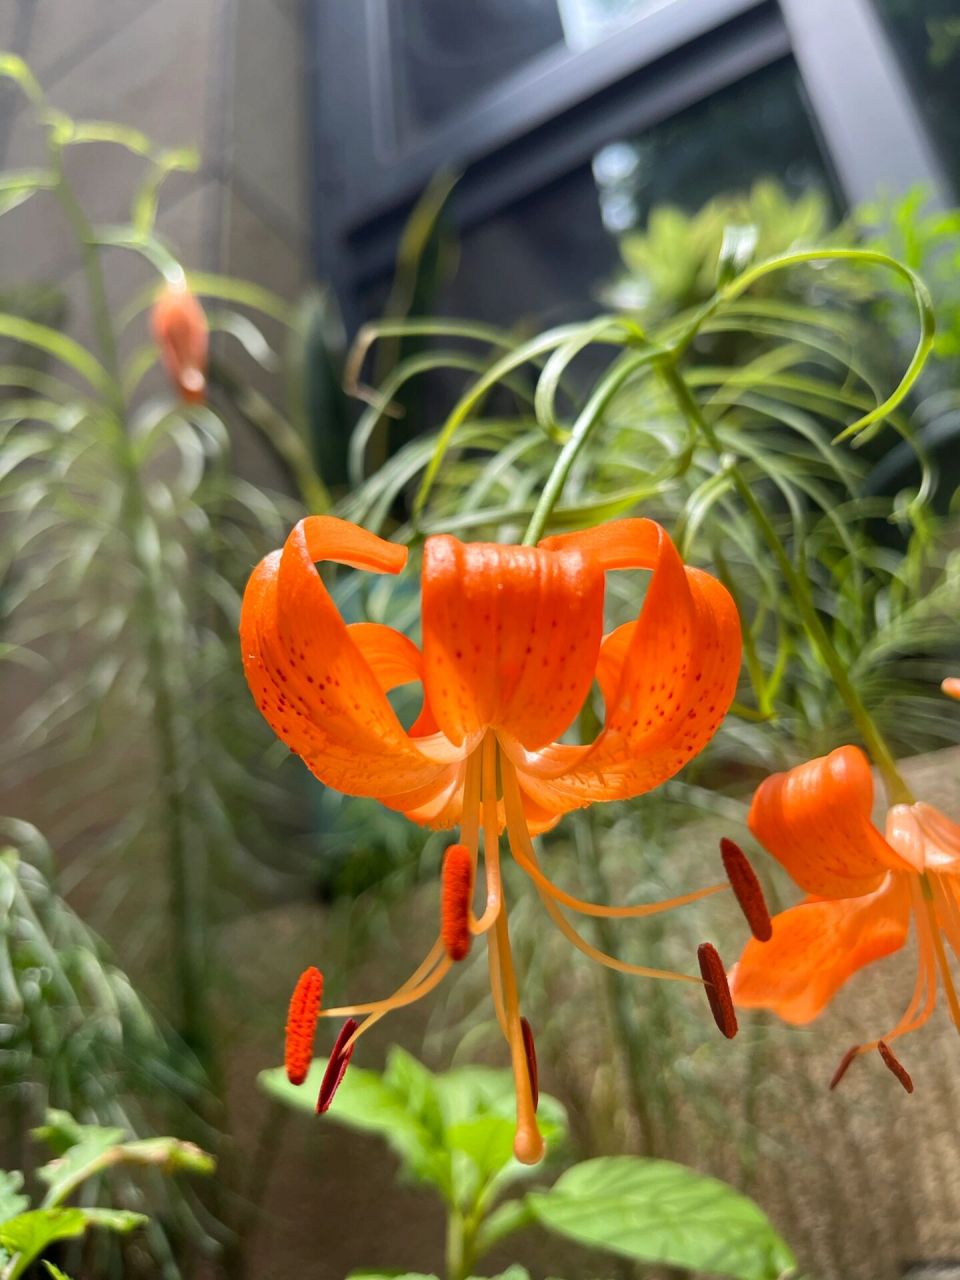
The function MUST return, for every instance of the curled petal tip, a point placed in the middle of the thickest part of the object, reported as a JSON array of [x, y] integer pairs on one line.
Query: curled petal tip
[[951, 686], [717, 989]]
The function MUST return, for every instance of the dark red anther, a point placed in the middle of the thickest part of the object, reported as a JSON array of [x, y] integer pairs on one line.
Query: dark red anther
[[747, 890], [337, 1065], [894, 1065], [844, 1065], [530, 1049], [717, 989]]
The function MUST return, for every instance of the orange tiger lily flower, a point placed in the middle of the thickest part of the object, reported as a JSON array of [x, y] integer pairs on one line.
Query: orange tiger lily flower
[[179, 327], [863, 890], [512, 642]]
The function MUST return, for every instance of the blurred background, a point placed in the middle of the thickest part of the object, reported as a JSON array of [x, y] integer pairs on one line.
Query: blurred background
[[519, 163]]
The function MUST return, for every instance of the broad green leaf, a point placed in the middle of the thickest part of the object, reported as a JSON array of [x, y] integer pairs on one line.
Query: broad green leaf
[[88, 1149], [655, 1211], [366, 1102], [29, 1234], [12, 1201], [454, 1130], [61, 1132], [26, 1236]]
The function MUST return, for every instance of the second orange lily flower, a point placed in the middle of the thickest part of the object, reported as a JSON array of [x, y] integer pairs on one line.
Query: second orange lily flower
[[863, 888]]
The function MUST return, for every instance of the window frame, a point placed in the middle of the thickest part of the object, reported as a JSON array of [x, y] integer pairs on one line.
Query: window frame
[[547, 118]]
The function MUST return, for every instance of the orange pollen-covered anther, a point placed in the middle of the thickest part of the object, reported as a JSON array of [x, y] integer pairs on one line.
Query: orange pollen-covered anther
[[337, 1065], [894, 1065], [530, 1050], [718, 991], [747, 890], [844, 1065], [302, 1024], [456, 892]]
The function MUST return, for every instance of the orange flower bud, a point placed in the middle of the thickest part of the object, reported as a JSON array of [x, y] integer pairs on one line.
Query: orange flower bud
[[179, 328]]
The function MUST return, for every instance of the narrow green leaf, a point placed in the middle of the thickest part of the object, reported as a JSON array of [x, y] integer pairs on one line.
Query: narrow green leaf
[[14, 68], [655, 1211], [58, 345], [54, 1271]]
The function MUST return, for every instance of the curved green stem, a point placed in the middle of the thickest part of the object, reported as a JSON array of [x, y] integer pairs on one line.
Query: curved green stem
[[897, 790], [590, 416]]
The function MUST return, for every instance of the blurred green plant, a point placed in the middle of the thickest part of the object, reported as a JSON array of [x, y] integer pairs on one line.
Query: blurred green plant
[[77, 1036], [454, 1132], [84, 1154]]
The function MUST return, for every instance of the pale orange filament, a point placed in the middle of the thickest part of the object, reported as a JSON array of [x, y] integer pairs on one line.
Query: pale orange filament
[[522, 848], [528, 1144], [491, 839], [929, 884], [413, 983]]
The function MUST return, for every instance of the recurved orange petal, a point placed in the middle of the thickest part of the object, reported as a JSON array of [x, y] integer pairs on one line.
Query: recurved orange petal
[[510, 637], [816, 946], [320, 684], [667, 679], [815, 820]]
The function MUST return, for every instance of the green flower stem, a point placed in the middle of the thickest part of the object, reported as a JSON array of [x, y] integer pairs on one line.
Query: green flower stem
[[590, 416], [187, 887], [459, 1253], [897, 790]]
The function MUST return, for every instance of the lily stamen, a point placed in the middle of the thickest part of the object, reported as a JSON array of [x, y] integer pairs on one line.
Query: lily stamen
[[718, 991], [895, 1066], [337, 1065], [455, 892], [747, 890], [302, 1019]]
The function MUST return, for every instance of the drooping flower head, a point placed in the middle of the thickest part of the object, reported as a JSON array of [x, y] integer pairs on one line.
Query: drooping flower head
[[512, 643], [179, 327], [863, 891]]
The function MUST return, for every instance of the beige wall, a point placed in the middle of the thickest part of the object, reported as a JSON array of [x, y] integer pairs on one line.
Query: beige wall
[[224, 75]]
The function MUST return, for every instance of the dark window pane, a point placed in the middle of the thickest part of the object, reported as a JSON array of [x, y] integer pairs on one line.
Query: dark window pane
[[926, 36], [445, 54], [757, 128], [549, 253]]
